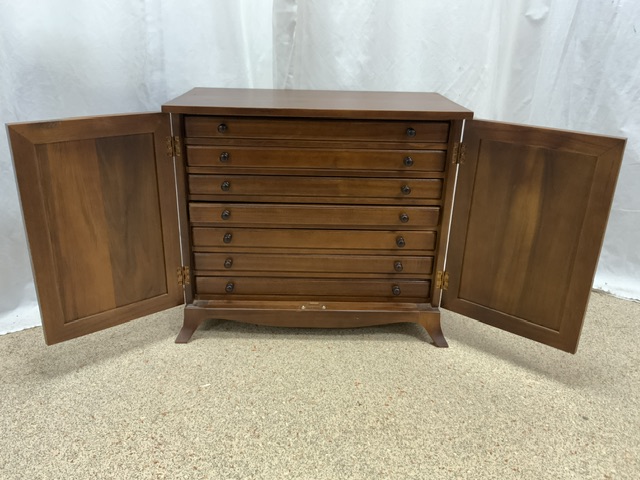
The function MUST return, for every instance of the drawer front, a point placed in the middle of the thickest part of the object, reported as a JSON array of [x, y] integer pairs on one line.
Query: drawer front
[[233, 287], [229, 157], [366, 240], [292, 186], [277, 128], [303, 264], [319, 216]]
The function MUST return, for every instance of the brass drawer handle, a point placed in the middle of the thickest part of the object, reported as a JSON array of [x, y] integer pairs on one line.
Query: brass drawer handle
[[408, 162], [404, 218], [398, 266], [406, 189], [222, 128], [396, 290], [226, 186], [224, 157], [411, 132], [227, 237], [400, 242], [226, 214], [229, 287], [228, 262]]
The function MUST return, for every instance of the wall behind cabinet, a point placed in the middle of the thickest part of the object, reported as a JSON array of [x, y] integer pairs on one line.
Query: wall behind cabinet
[[566, 64]]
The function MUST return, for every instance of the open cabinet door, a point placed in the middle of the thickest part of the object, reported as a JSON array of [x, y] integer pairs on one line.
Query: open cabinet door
[[528, 223], [99, 203]]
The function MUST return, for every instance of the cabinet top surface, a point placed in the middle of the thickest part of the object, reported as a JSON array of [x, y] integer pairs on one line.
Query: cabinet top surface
[[317, 103]]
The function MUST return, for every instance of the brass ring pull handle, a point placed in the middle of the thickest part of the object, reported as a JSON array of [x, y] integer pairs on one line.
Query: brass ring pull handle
[[228, 263], [229, 287], [396, 290], [400, 242], [398, 266], [404, 218]]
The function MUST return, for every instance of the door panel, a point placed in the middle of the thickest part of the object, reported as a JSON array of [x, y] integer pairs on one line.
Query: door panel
[[99, 205], [529, 218]]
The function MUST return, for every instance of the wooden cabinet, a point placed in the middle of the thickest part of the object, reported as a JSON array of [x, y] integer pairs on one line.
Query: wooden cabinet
[[313, 209]]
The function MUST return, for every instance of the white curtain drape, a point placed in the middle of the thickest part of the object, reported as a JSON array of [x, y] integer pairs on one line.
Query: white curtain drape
[[68, 58], [570, 64]]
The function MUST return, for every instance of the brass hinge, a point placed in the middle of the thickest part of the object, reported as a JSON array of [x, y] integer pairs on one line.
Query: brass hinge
[[183, 276], [459, 153], [173, 146], [442, 280]]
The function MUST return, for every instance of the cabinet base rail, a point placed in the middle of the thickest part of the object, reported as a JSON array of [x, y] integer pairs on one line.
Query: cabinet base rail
[[313, 315]]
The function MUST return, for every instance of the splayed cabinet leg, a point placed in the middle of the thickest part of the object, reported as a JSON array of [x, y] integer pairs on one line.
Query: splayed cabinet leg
[[431, 323], [193, 317]]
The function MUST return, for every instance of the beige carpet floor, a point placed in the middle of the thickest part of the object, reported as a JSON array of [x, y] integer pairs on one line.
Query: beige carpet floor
[[244, 402]]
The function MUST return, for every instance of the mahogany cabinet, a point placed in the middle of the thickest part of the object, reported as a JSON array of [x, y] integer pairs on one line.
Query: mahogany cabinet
[[313, 209]]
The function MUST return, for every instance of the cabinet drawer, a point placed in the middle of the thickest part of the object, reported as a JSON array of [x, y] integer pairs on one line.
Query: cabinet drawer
[[319, 216], [273, 238], [299, 263], [233, 238], [229, 157], [317, 187], [300, 128], [233, 287]]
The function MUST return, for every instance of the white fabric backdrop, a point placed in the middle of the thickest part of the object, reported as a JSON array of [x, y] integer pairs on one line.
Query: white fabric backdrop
[[570, 64]]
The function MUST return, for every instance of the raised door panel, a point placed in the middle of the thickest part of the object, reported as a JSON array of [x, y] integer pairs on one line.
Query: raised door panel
[[529, 218], [99, 203]]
